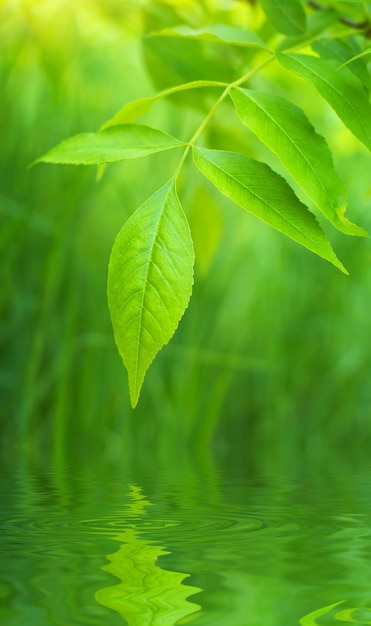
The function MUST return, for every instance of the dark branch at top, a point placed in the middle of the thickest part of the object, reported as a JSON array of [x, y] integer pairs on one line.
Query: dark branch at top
[[365, 25]]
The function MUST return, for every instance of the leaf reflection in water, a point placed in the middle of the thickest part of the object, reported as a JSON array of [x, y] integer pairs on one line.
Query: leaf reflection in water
[[311, 618], [345, 615], [147, 594]]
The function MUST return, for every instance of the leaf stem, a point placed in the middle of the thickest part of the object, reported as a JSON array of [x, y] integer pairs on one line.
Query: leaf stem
[[200, 129], [221, 98]]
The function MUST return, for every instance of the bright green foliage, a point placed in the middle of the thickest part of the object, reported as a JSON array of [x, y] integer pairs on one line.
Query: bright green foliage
[[339, 87], [265, 194], [337, 49], [358, 56], [113, 144], [285, 129], [204, 64], [287, 16], [150, 281]]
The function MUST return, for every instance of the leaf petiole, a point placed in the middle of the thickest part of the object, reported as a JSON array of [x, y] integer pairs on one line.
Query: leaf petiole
[[210, 114]]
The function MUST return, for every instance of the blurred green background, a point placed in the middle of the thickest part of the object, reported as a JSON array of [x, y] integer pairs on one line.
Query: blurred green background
[[273, 355]]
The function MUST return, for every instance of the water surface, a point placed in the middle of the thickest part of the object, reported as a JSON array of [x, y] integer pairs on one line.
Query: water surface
[[158, 547]]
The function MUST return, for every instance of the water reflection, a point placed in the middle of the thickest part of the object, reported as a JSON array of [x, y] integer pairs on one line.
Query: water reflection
[[147, 594], [261, 550], [350, 615]]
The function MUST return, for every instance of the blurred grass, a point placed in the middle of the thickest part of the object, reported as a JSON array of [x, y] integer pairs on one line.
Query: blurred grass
[[273, 351]]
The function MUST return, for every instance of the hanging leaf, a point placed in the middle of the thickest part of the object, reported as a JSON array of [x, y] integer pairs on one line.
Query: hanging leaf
[[150, 281], [285, 129], [116, 143], [340, 88], [287, 16], [265, 194]]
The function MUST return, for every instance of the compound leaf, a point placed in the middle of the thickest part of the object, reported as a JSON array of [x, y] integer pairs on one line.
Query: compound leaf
[[285, 129], [287, 16], [339, 87], [261, 191], [150, 281], [127, 141]]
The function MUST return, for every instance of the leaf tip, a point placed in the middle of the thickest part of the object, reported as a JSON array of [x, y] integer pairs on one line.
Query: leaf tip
[[349, 227], [337, 263], [134, 398], [35, 162]]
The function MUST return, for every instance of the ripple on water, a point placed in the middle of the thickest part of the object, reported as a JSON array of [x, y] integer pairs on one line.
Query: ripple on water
[[338, 611], [262, 554]]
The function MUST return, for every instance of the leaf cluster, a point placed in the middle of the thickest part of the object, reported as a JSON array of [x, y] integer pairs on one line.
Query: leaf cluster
[[324, 44]]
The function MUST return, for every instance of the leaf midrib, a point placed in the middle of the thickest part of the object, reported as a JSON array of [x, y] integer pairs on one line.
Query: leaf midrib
[[142, 307], [298, 149]]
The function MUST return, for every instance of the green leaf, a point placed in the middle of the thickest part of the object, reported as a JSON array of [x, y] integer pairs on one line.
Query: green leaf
[[265, 194], [132, 110], [150, 281], [358, 56], [285, 129], [316, 24], [117, 143], [341, 50], [341, 90], [287, 16], [220, 33]]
